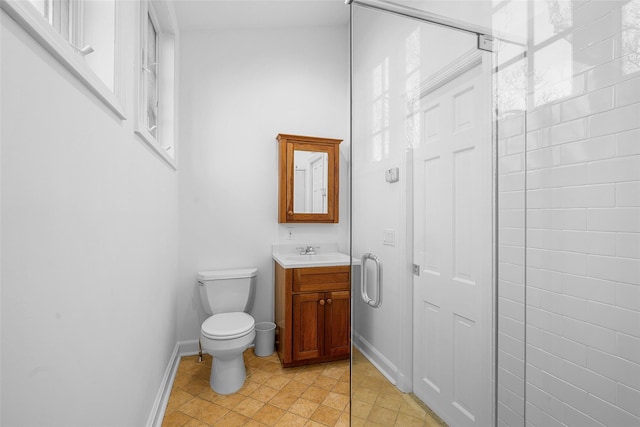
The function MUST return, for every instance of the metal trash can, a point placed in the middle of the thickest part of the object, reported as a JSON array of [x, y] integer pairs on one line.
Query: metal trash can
[[265, 339]]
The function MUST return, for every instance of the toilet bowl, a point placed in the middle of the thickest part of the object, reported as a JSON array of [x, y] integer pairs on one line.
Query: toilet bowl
[[228, 296]]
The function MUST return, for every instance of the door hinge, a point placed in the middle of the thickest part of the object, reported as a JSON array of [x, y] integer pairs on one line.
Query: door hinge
[[485, 42], [416, 270]]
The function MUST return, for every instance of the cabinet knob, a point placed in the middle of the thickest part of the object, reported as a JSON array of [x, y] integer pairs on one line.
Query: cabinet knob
[[290, 212], [321, 302], [328, 300]]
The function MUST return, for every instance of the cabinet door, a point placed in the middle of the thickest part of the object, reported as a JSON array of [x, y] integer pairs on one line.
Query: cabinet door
[[337, 323], [308, 326]]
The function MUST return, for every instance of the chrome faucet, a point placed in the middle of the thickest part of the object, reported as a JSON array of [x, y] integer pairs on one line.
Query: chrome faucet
[[309, 250]]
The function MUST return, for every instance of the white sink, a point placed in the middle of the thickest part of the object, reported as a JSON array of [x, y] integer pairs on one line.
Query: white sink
[[323, 259], [337, 257]]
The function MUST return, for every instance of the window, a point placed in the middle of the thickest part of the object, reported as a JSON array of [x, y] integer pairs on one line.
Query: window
[[150, 76], [631, 37], [81, 35], [380, 125], [156, 78], [59, 14]]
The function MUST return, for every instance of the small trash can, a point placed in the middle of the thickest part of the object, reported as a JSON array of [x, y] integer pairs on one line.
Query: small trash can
[[265, 338]]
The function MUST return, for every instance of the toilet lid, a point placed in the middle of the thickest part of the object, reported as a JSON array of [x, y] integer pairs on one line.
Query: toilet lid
[[226, 326]]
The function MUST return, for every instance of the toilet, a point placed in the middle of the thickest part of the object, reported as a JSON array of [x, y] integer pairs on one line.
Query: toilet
[[227, 296]]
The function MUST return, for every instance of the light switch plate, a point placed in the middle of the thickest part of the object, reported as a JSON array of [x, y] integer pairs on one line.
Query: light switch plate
[[389, 237]]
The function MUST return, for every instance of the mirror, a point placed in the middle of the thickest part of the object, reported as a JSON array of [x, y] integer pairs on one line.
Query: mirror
[[310, 182], [308, 179]]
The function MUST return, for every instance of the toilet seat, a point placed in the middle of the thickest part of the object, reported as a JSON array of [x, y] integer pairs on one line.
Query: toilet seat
[[228, 326]]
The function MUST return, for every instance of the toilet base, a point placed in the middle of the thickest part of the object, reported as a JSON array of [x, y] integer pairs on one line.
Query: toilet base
[[227, 376], [227, 368]]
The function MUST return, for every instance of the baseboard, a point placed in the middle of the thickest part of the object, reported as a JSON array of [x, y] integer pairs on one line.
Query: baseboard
[[160, 404], [404, 384], [182, 348], [189, 348], [377, 359]]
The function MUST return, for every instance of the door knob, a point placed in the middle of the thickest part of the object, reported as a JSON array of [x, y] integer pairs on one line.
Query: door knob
[[321, 302], [328, 300]]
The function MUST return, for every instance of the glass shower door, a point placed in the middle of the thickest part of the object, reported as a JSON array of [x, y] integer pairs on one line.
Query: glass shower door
[[423, 203], [565, 200]]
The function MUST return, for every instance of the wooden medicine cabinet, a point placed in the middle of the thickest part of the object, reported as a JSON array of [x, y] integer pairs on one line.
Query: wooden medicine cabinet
[[308, 188]]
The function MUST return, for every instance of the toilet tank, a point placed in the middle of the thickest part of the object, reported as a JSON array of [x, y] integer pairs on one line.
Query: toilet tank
[[225, 291]]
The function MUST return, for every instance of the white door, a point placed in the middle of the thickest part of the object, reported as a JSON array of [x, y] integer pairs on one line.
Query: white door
[[453, 247], [319, 186], [299, 189]]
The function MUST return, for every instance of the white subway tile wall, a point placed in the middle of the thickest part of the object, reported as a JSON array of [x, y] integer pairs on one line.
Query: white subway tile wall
[[580, 245], [511, 267]]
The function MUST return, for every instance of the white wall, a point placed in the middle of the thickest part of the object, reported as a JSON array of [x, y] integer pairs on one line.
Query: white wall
[[239, 89], [89, 248], [378, 205]]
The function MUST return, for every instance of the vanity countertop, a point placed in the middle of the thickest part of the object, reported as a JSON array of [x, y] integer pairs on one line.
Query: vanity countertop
[[326, 255]]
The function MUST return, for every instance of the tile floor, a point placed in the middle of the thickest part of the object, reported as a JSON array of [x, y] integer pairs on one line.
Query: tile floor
[[314, 395], [377, 402]]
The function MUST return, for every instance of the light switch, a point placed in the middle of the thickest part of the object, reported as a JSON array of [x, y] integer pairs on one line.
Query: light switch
[[389, 237]]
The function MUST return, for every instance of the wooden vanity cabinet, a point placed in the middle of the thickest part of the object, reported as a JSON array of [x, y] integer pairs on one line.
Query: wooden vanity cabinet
[[313, 314]]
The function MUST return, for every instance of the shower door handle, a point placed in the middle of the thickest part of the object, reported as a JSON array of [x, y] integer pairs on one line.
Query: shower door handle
[[377, 302]]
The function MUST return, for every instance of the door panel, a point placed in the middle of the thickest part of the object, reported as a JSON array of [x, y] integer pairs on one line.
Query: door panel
[[308, 315], [431, 328], [338, 321], [432, 199], [462, 208], [464, 334]]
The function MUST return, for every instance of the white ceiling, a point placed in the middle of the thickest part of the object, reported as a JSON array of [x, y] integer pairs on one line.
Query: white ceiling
[[202, 15]]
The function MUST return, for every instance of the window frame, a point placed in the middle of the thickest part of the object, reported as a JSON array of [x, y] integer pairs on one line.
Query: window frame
[[38, 26], [163, 143]]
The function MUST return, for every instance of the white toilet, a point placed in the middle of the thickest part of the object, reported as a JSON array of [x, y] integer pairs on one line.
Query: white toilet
[[227, 295]]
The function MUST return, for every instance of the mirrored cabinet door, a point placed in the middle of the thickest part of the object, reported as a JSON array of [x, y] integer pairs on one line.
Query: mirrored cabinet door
[[308, 179]]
